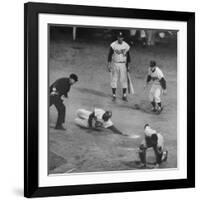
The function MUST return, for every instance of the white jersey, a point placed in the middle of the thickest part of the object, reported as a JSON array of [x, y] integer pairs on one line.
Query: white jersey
[[156, 75], [99, 114], [149, 131], [120, 51]]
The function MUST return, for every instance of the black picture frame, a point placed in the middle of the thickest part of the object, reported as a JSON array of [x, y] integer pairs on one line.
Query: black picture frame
[[31, 12]]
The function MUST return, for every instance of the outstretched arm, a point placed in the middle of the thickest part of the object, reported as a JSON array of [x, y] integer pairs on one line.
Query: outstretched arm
[[115, 130]]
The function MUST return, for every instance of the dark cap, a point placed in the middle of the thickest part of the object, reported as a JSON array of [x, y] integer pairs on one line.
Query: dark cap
[[74, 76], [107, 115], [146, 125], [120, 34], [152, 63]]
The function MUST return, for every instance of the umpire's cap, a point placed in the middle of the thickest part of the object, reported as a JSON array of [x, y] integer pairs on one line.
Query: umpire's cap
[[152, 63], [74, 76]]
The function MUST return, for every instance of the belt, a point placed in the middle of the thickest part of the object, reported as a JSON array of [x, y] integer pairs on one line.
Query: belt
[[119, 62]]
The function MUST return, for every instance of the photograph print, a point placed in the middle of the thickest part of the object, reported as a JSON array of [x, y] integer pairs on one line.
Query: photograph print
[[112, 99]]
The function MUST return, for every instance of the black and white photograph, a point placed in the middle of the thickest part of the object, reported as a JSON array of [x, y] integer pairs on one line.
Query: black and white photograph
[[112, 99]]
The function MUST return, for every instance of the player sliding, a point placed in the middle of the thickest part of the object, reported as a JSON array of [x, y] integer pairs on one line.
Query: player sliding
[[158, 86], [152, 140], [99, 118]]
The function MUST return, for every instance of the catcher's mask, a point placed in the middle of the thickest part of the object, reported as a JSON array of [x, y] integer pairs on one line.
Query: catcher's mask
[[107, 115], [152, 63]]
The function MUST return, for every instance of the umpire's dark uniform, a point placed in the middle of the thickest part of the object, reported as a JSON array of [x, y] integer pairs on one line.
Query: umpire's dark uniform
[[59, 88]]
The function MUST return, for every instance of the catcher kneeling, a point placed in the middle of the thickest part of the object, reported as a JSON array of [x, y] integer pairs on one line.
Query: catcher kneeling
[[97, 119], [152, 140]]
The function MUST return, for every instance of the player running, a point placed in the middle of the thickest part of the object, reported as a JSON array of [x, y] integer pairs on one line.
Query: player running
[[118, 60], [158, 86], [99, 118], [152, 140]]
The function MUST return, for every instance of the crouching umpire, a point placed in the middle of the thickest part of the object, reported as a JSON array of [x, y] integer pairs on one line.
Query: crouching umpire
[[59, 90]]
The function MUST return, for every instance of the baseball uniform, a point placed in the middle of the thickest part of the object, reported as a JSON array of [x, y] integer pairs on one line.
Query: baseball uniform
[[119, 59], [83, 116], [152, 140], [158, 84]]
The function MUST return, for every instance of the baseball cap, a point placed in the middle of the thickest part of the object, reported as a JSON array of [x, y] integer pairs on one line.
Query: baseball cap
[[74, 76], [120, 34], [152, 63]]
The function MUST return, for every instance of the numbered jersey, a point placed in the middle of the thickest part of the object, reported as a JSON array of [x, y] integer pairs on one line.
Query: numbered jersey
[[156, 75], [119, 51]]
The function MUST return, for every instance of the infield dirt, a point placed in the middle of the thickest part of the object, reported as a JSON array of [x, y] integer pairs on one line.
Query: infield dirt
[[81, 150]]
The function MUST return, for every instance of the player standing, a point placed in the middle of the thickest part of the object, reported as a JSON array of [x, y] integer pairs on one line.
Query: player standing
[[59, 90], [152, 140], [158, 86], [118, 60]]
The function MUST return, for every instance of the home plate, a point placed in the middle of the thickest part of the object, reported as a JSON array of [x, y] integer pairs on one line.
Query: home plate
[[134, 136]]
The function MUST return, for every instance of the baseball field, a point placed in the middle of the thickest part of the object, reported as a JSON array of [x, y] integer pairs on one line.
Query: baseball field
[[81, 150]]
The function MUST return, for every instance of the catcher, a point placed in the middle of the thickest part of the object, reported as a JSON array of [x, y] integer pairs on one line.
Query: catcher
[[152, 140], [97, 119]]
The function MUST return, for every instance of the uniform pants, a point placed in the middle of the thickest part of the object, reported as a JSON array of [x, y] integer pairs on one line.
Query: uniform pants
[[118, 71], [82, 117], [58, 103], [158, 149], [155, 93]]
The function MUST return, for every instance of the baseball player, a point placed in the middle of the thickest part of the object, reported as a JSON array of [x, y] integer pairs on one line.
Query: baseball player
[[158, 86], [118, 61], [59, 90], [96, 119], [152, 140]]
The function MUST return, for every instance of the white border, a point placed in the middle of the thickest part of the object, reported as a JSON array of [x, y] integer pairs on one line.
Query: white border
[[111, 177]]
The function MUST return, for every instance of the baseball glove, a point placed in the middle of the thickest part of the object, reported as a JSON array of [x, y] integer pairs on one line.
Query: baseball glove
[[98, 124]]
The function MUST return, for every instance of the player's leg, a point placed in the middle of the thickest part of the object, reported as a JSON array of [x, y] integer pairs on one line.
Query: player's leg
[[114, 77], [61, 113], [161, 146], [83, 114], [160, 154], [81, 122], [151, 98], [123, 80], [157, 98], [142, 152]]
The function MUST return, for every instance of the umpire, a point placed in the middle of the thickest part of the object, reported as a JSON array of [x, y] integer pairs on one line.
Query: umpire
[[58, 89]]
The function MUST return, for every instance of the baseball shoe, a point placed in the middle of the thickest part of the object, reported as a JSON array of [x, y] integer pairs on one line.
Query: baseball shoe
[[113, 98], [124, 98], [156, 166], [153, 109], [60, 127], [142, 166], [164, 156], [159, 110]]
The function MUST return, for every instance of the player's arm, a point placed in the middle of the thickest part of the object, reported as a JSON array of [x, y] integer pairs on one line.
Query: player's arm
[[148, 79], [128, 61], [115, 130], [110, 58], [162, 80], [163, 83]]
